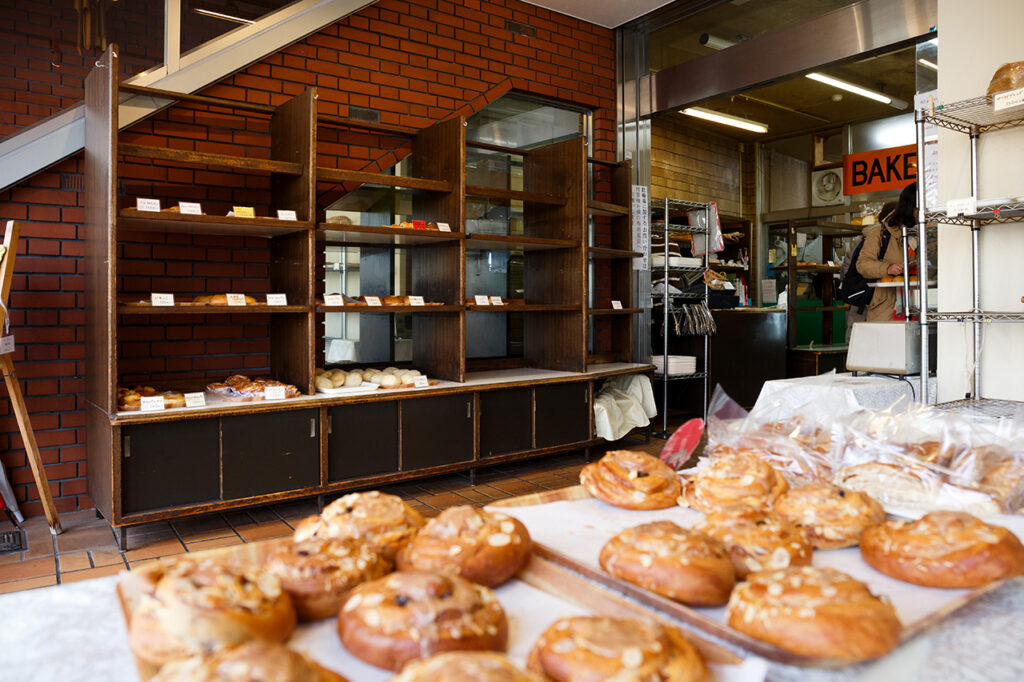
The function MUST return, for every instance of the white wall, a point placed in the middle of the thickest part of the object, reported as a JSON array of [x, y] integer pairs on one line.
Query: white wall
[[975, 38]]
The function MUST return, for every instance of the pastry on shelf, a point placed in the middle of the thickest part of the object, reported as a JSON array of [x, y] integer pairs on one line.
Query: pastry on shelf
[[255, 660], [831, 516], [129, 399], [346, 300], [758, 540], [384, 521], [733, 479], [478, 666], [221, 299], [632, 480], [241, 388]]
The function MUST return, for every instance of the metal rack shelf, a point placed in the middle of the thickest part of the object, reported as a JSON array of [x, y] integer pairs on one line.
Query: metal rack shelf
[[678, 229], [976, 317], [984, 407], [674, 377], [1003, 213], [974, 116]]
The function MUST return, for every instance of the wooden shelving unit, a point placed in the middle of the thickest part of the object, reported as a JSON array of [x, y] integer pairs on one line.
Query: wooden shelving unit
[[146, 466]]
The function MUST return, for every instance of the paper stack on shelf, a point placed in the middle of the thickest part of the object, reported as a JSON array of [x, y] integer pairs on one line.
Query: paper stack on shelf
[[677, 364]]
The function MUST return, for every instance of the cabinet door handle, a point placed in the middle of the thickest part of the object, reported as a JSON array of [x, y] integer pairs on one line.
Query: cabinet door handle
[[469, 409], [127, 447], [330, 424], [312, 427], [586, 396]]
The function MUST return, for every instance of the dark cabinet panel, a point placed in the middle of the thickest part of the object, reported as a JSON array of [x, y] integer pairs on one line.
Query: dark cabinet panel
[[269, 453], [437, 431], [562, 414], [506, 421], [170, 463], [362, 441]]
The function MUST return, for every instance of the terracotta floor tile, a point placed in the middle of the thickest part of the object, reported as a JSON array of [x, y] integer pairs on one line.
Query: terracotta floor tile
[[10, 558], [203, 528], [492, 492], [85, 536], [31, 583], [33, 568], [155, 549], [40, 541], [422, 508], [107, 557], [74, 517], [264, 531], [90, 573], [142, 562], [553, 481], [474, 495], [516, 487], [443, 500], [214, 544], [76, 561], [296, 510]]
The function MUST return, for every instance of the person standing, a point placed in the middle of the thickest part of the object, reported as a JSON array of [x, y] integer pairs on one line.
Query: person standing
[[859, 313], [873, 266]]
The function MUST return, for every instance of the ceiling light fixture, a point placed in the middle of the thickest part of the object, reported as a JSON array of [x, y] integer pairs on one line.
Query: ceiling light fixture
[[726, 119], [714, 42], [221, 15], [931, 65]]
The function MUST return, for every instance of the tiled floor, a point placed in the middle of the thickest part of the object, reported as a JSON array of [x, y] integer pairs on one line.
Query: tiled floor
[[88, 546]]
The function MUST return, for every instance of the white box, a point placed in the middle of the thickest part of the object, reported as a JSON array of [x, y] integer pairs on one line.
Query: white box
[[885, 348]]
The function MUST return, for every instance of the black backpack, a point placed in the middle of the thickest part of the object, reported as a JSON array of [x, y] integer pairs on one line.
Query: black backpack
[[853, 288]]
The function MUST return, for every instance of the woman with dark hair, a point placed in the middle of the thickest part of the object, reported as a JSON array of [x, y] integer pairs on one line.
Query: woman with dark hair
[[874, 264]]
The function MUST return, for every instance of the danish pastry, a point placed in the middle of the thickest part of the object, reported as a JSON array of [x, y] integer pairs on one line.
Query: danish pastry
[[832, 517], [632, 480], [384, 521], [465, 666], [758, 540], [734, 479], [256, 660]]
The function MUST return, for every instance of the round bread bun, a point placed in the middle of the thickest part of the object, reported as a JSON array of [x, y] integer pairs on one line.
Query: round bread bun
[[384, 521], [487, 548], [943, 549], [758, 540], [406, 378], [465, 666], [415, 614], [201, 606], [391, 370], [831, 516], [734, 479], [387, 380], [675, 562], [320, 370], [319, 572], [324, 382], [353, 379], [816, 612], [336, 373], [632, 480], [597, 648], [414, 372], [252, 661], [338, 380]]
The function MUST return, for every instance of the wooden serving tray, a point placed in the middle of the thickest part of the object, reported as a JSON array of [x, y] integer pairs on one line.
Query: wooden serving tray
[[700, 619], [541, 574]]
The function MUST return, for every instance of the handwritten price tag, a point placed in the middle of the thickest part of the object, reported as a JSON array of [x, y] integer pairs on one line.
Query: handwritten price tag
[[6, 344], [244, 212], [151, 403], [236, 299], [420, 382], [152, 205], [195, 400], [286, 215], [334, 299], [482, 300], [415, 300], [277, 299], [616, 305], [161, 300], [444, 227], [496, 300], [190, 208], [372, 300], [273, 393]]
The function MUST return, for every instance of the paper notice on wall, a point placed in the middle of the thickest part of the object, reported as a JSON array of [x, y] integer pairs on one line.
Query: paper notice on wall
[[768, 291], [931, 173], [641, 226], [921, 103]]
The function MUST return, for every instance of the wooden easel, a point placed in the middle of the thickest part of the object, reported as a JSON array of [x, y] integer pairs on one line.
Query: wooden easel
[[14, 389]]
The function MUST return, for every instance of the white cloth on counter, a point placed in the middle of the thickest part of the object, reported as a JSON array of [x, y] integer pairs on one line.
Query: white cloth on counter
[[624, 403], [341, 350]]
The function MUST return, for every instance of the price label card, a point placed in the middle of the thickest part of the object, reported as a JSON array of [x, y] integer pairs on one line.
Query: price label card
[[151, 403], [273, 393], [831, 264], [421, 382], [419, 224], [966, 206], [148, 205], [190, 208], [444, 227], [496, 300], [801, 239], [244, 212], [482, 300], [1008, 99], [161, 300], [195, 400], [277, 299], [334, 299], [616, 305], [236, 299], [6, 344], [372, 300], [771, 256], [415, 300], [286, 215]]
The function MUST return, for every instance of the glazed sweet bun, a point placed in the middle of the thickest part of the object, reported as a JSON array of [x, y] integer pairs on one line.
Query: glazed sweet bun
[[319, 572], [384, 521], [758, 540], [815, 612], [632, 480], [734, 479], [254, 661], [943, 549], [588, 648], [465, 666], [675, 562], [195, 607], [484, 547], [416, 614], [831, 516]]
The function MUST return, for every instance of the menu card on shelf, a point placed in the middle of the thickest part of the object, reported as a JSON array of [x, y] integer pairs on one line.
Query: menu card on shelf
[[419, 224], [286, 215], [496, 300], [244, 212], [482, 300], [372, 300], [274, 393], [152, 205], [616, 305], [333, 299], [444, 227], [195, 400], [160, 300], [151, 403], [421, 382], [416, 300], [277, 299], [236, 299], [190, 208]]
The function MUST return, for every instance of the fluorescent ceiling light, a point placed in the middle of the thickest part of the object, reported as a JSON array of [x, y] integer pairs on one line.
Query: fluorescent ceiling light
[[221, 15], [931, 65], [850, 87], [726, 119]]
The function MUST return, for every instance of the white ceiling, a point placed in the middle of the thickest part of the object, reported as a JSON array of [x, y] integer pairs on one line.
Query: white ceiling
[[608, 13]]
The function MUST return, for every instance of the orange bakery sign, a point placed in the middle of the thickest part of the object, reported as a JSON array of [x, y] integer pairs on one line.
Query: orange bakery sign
[[882, 169]]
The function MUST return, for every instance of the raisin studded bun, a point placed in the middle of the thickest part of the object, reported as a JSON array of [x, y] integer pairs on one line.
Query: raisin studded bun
[[197, 607], [734, 479], [319, 572], [831, 516], [758, 540], [254, 661], [585, 649], [675, 562], [484, 547], [943, 549], [465, 666], [815, 612], [384, 521], [415, 614], [632, 480]]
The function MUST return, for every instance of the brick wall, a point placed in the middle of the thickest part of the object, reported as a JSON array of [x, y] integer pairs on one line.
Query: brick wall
[[416, 61]]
